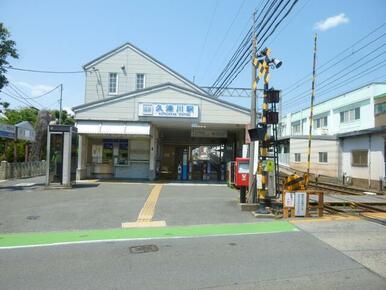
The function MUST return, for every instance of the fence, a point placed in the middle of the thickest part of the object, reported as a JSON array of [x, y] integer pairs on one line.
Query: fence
[[22, 169]]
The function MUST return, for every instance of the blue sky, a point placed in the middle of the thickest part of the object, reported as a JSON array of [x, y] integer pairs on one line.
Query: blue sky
[[64, 35]]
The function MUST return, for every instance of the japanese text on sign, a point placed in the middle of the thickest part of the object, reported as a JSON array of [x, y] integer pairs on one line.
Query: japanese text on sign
[[168, 110]]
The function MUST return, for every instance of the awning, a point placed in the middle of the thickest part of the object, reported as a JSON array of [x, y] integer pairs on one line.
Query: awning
[[113, 128]]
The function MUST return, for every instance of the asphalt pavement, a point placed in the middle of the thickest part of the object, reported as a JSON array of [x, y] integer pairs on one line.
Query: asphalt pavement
[[294, 260], [208, 242]]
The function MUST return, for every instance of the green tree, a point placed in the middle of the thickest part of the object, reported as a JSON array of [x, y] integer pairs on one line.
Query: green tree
[[7, 49], [67, 119]]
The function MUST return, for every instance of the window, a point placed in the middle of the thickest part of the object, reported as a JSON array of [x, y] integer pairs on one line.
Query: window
[[321, 122], [359, 158], [113, 83], [323, 157], [297, 157], [380, 108], [296, 128], [140, 83], [350, 115]]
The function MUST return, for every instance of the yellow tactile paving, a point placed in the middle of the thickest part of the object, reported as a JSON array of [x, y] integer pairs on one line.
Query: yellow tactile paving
[[147, 212], [144, 224]]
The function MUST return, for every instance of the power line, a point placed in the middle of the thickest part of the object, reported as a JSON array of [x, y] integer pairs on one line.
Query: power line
[[43, 71], [245, 60], [345, 84], [246, 41], [22, 94], [226, 34], [248, 38], [341, 52], [289, 21], [17, 99], [206, 36], [44, 94], [342, 83], [344, 58], [342, 70]]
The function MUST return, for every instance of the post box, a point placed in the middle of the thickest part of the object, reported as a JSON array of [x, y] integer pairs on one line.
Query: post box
[[241, 172]]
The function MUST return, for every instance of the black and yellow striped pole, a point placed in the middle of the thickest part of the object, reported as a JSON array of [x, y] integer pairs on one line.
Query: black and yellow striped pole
[[311, 114], [264, 146]]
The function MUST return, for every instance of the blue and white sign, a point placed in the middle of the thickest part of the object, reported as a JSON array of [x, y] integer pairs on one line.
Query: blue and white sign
[[7, 131], [168, 110]]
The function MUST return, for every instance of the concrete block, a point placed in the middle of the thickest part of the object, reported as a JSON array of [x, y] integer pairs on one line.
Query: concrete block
[[249, 206]]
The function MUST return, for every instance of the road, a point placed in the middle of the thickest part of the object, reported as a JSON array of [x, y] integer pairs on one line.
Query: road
[[235, 251]]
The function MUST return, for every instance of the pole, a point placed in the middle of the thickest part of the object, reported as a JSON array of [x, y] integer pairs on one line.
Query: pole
[[252, 184], [311, 112], [263, 196], [60, 104]]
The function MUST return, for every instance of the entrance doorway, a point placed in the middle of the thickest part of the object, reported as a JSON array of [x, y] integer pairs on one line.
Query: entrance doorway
[[194, 162]]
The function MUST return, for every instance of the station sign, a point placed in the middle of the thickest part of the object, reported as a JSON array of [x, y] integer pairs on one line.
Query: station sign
[[169, 110]]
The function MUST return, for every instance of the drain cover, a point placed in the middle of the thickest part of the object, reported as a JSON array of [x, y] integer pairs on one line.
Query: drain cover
[[33, 217], [143, 249]]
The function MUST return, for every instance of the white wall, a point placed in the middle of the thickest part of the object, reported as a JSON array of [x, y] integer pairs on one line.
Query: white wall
[[126, 109], [376, 167], [362, 97], [301, 146], [134, 62]]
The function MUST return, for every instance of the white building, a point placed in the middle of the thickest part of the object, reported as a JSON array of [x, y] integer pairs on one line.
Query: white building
[[338, 125], [143, 120]]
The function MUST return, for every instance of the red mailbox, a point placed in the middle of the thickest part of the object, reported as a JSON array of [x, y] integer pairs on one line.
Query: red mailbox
[[242, 172]]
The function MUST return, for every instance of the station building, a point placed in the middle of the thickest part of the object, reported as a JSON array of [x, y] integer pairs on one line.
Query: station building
[[142, 120]]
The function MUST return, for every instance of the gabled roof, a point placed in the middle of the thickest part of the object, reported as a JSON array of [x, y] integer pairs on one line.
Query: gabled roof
[[156, 89], [148, 57], [25, 125]]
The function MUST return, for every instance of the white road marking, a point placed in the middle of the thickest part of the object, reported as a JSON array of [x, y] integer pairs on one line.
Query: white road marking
[[139, 239]]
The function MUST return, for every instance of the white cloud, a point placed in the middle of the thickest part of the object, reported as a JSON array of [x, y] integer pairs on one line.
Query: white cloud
[[36, 90], [331, 22]]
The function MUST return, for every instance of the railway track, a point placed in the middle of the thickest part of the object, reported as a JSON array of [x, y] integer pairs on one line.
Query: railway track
[[329, 188]]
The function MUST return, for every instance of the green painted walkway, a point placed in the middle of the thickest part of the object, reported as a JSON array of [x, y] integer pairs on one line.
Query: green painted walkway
[[68, 237]]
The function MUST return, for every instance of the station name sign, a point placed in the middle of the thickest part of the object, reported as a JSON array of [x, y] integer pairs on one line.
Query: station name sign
[[169, 110]]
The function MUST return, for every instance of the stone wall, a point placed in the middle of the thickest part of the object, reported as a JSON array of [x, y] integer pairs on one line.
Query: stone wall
[[22, 169]]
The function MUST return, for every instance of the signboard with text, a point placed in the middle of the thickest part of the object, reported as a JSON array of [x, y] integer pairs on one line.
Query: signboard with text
[[7, 131], [169, 110]]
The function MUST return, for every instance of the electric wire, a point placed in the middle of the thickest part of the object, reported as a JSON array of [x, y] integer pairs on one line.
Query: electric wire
[[226, 35], [246, 41], [245, 60], [206, 36], [247, 49], [341, 52], [342, 59], [43, 71], [345, 82], [20, 94], [361, 60]]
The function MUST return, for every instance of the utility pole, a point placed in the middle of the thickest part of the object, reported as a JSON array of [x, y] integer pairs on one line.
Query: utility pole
[[252, 183], [311, 112], [60, 104]]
